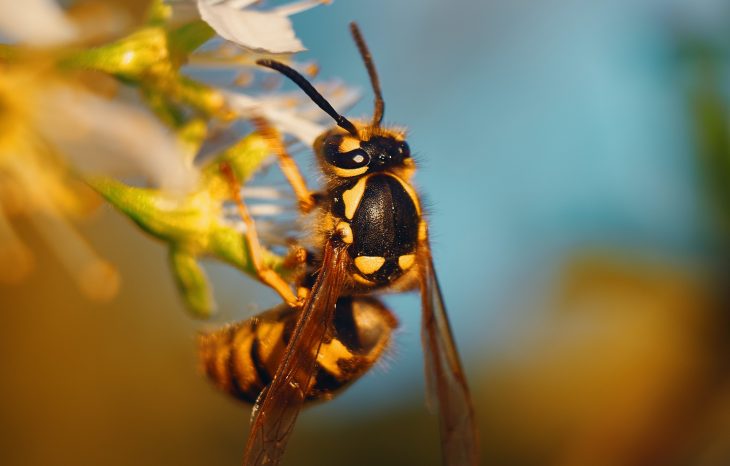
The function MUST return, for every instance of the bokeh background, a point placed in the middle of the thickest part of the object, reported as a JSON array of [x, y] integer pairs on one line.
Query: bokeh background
[[576, 158]]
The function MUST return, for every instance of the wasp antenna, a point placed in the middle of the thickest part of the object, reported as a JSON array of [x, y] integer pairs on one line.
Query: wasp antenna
[[313, 94], [374, 81]]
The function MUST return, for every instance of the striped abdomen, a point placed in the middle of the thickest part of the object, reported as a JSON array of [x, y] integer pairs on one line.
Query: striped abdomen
[[242, 358]]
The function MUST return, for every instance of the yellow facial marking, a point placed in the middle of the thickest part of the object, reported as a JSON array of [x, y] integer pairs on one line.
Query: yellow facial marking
[[345, 232], [369, 264], [362, 280], [349, 143], [405, 262], [348, 173], [352, 197]]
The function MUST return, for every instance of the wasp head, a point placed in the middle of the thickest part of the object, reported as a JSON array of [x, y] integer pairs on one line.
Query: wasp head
[[347, 156]]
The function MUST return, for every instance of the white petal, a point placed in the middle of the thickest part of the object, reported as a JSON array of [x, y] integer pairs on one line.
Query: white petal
[[265, 192], [337, 94], [268, 210], [297, 7], [285, 120], [238, 4], [255, 30], [35, 22], [100, 136]]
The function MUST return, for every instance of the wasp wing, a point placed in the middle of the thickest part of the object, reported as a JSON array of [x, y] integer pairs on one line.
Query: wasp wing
[[278, 406], [446, 383]]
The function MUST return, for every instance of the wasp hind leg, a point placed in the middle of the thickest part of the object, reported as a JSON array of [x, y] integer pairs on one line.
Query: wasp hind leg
[[307, 199], [256, 252]]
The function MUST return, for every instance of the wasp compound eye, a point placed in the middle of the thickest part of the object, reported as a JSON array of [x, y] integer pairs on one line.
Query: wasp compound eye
[[356, 158], [345, 156]]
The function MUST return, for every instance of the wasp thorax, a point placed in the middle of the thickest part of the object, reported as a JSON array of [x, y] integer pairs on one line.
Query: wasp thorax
[[349, 156]]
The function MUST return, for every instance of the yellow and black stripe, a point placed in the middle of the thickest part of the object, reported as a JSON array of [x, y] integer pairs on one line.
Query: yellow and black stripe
[[242, 358]]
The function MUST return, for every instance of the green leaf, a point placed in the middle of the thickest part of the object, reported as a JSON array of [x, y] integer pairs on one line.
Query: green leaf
[[244, 157]]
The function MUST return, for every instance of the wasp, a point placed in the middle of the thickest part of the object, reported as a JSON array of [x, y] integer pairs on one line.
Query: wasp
[[370, 236]]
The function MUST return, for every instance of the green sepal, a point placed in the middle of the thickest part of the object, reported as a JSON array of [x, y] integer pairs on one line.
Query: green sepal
[[244, 158], [187, 38], [230, 246], [130, 58], [191, 135], [158, 13], [147, 59], [187, 219], [191, 282], [193, 225]]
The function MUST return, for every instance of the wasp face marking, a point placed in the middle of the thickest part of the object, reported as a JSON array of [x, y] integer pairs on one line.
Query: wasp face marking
[[344, 156], [369, 264], [348, 156], [349, 143]]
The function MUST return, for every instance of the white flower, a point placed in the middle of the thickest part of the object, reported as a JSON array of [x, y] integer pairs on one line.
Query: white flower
[[37, 184], [261, 31]]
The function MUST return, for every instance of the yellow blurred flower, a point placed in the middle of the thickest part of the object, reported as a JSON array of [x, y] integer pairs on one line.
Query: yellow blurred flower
[[55, 129], [73, 92], [618, 367]]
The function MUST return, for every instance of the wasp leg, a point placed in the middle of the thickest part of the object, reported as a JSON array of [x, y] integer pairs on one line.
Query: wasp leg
[[297, 256], [307, 199], [265, 274]]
